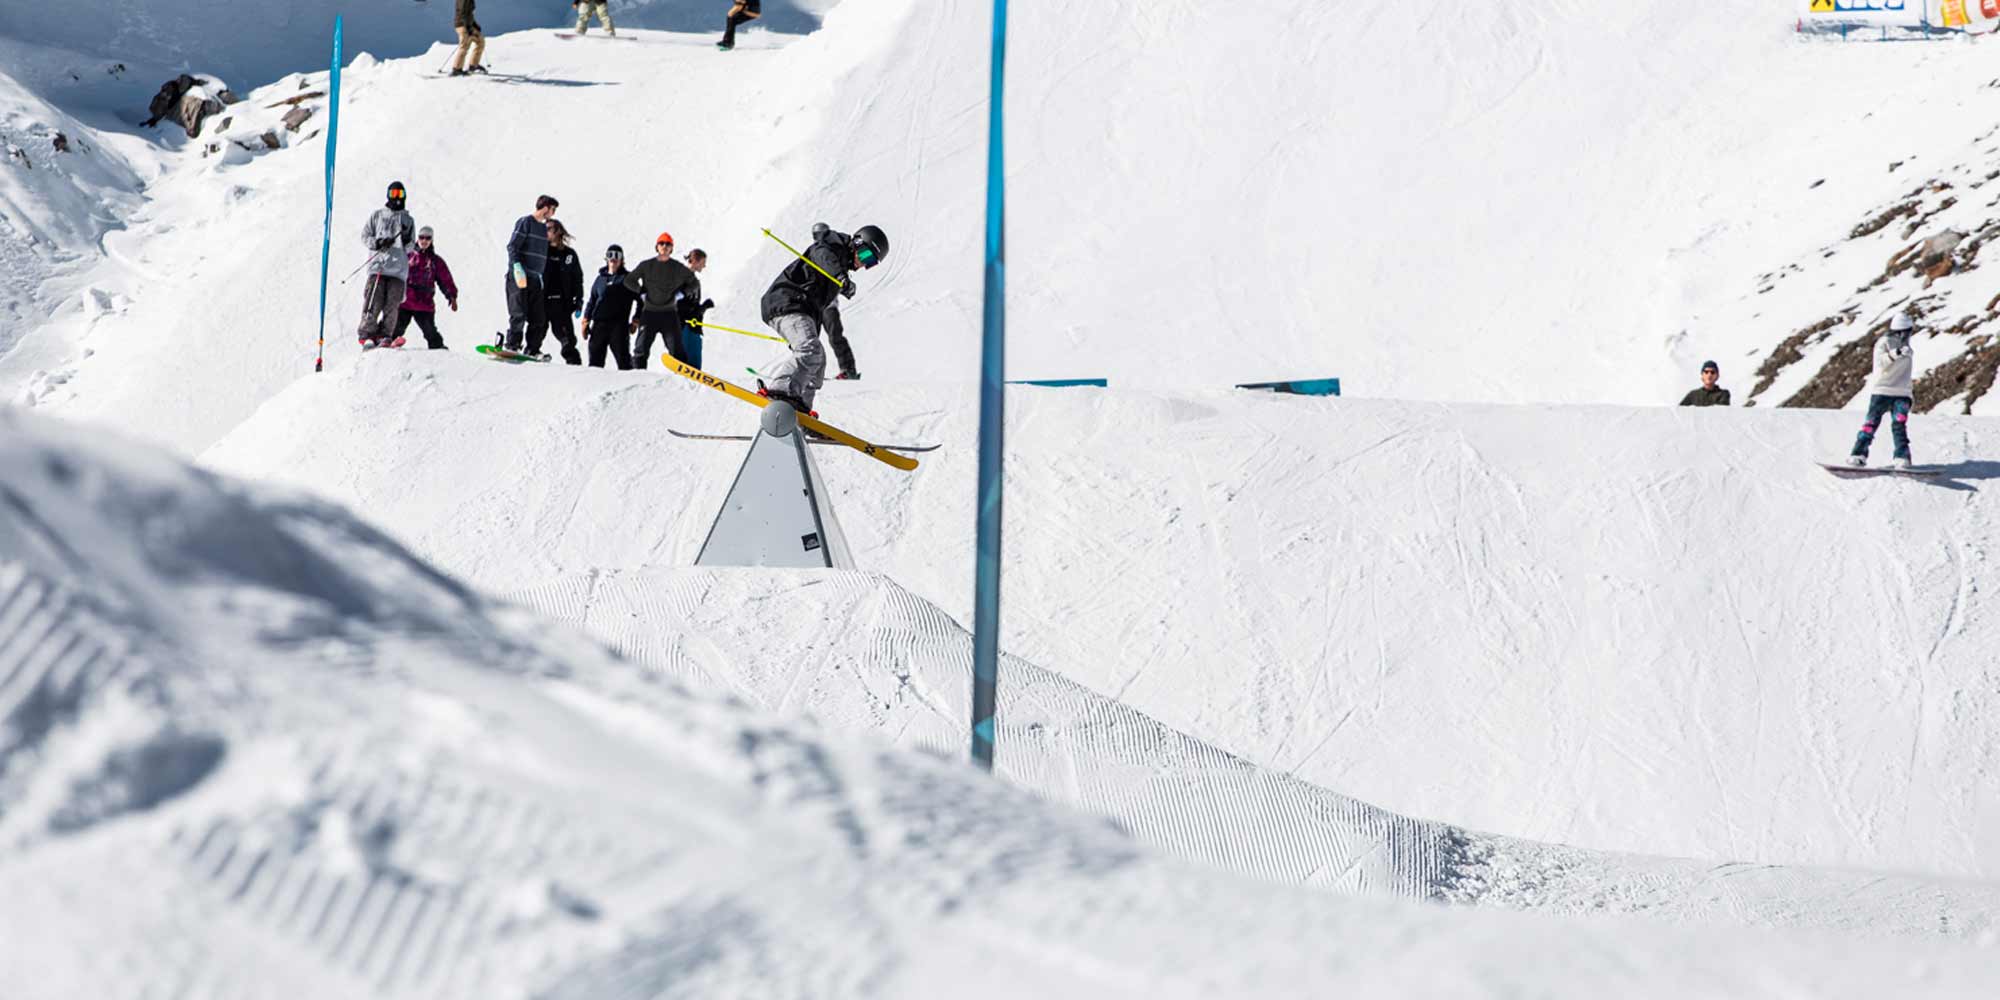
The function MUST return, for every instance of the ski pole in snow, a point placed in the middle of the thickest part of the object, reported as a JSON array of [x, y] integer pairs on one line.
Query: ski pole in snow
[[816, 267], [731, 329]]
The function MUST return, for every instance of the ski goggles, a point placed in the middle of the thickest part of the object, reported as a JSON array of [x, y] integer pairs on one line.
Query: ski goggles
[[866, 255], [614, 255]]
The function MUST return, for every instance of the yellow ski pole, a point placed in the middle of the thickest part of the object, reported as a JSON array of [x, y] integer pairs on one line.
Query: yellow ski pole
[[731, 329], [836, 281]]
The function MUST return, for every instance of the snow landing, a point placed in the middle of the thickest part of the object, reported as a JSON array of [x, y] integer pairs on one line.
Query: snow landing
[[254, 746]]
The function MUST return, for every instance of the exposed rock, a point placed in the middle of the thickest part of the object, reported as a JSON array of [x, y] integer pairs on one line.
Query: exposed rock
[[294, 100], [1792, 350], [1970, 374], [61, 143], [1842, 376], [1880, 222], [296, 117]]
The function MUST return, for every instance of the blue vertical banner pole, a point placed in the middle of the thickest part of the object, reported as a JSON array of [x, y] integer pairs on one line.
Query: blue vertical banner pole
[[992, 419], [326, 223]]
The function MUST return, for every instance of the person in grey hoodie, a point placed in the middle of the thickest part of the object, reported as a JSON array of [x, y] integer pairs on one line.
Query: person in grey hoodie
[[388, 234], [1890, 392]]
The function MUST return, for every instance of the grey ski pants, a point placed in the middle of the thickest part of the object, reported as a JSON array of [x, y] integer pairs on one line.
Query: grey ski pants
[[802, 373], [379, 308]]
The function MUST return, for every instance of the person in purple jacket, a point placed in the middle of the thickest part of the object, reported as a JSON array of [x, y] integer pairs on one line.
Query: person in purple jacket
[[428, 272]]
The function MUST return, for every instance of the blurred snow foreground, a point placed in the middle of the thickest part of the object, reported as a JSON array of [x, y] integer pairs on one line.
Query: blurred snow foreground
[[250, 746]]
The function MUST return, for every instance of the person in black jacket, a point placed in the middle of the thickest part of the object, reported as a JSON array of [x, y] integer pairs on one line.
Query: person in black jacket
[[796, 304], [562, 290], [612, 314], [691, 307], [1709, 394]]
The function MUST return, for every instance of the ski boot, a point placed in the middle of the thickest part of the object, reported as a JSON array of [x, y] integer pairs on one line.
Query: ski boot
[[392, 342], [848, 376], [481, 70], [370, 343], [456, 72]]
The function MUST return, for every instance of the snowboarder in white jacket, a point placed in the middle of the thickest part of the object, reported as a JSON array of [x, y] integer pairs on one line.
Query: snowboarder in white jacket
[[1890, 392], [388, 235]]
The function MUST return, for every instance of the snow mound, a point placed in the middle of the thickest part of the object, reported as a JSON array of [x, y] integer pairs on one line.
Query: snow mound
[[293, 758], [859, 654], [1661, 632]]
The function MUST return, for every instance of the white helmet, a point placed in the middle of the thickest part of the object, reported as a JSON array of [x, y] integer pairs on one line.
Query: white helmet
[[1902, 323]]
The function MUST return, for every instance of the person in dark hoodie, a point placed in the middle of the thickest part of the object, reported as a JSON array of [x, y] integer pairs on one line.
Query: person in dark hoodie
[[740, 12], [527, 260], [612, 312], [562, 291], [661, 280], [797, 301]]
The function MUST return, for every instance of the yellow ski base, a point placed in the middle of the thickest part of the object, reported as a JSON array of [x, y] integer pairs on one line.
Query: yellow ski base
[[811, 423]]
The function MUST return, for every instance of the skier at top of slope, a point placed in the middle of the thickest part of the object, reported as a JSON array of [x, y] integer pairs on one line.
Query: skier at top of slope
[[470, 39], [797, 301], [1890, 392], [388, 234], [740, 12]]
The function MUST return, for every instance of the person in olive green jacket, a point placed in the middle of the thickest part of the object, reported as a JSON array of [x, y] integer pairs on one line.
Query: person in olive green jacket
[[1709, 394]]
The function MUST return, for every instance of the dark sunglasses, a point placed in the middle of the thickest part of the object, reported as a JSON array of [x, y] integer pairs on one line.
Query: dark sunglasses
[[423, 239]]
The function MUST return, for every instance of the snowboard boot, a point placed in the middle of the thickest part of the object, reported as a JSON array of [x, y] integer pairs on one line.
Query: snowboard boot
[[1857, 460], [1900, 464]]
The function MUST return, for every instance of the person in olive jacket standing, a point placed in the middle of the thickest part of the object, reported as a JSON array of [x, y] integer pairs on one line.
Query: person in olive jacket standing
[[562, 291], [470, 39], [660, 280], [1709, 394]]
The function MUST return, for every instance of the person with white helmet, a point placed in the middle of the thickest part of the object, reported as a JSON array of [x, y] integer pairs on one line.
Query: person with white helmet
[[1890, 392]]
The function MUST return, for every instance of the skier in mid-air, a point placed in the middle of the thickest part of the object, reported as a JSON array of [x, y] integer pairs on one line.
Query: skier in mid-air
[[428, 273], [796, 304], [562, 291], [388, 235], [1890, 392]]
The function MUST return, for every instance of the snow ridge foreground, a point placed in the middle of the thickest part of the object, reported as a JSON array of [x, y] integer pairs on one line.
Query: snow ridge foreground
[[378, 783]]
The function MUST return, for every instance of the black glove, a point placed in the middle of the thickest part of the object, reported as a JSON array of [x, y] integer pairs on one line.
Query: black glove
[[847, 289], [384, 244], [707, 304]]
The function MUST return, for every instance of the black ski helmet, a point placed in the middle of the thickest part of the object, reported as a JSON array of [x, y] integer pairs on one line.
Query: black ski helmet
[[871, 244], [614, 250], [396, 195]]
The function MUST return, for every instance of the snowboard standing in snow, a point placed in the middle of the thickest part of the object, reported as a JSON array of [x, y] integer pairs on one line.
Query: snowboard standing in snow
[[806, 420], [511, 357]]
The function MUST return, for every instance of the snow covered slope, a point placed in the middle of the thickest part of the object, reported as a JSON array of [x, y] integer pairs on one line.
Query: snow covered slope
[[57, 199], [253, 746], [1652, 631], [1452, 202]]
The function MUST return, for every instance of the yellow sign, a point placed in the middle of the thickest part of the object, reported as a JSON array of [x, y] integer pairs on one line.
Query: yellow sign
[[1951, 12], [1822, 6]]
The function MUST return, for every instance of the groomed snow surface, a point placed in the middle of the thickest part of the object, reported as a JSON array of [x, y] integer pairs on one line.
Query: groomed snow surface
[[405, 686]]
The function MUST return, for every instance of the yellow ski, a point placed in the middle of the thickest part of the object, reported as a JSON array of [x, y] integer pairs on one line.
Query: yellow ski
[[811, 423]]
